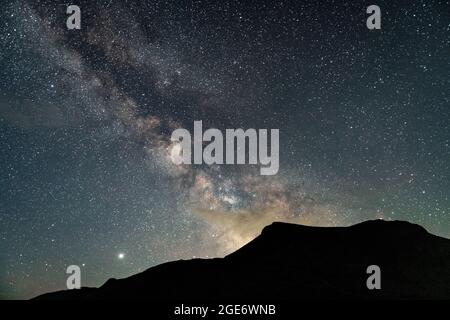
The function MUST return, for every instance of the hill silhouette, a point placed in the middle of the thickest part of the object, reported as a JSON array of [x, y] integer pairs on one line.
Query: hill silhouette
[[290, 262]]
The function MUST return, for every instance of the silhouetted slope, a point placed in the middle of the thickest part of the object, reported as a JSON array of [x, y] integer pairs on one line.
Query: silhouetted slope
[[290, 261]]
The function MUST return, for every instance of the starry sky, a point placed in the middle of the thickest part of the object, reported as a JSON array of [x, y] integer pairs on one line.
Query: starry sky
[[86, 117]]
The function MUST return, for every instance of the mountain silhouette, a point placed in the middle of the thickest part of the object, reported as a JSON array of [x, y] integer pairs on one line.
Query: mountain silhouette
[[291, 262]]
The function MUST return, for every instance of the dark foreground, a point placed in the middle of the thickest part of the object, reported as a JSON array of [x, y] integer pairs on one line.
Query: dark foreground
[[290, 262]]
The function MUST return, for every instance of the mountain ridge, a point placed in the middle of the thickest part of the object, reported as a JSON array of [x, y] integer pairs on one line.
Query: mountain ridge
[[289, 262]]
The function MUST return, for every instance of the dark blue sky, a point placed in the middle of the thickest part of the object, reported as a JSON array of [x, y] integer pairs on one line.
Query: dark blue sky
[[86, 117]]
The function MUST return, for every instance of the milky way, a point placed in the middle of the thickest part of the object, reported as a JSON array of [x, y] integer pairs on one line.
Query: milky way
[[86, 117]]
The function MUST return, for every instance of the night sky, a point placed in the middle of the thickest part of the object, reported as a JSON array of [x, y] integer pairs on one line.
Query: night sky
[[86, 117]]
